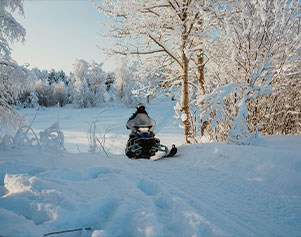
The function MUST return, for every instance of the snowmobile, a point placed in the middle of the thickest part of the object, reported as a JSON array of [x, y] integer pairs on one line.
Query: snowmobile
[[142, 144]]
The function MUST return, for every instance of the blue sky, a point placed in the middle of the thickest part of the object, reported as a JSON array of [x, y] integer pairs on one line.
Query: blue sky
[[58, 32]]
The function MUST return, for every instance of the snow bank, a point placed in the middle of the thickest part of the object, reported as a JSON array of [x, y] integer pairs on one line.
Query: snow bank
[[207, 190], [212, 189]]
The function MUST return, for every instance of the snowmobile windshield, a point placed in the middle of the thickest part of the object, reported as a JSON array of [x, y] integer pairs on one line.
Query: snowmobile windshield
[[142, 120]]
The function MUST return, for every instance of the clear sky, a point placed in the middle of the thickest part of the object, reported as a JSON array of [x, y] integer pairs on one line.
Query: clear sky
[[58, 32]]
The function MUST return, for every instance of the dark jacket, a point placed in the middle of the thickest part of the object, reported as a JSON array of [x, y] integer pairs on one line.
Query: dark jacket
[[138, 111]]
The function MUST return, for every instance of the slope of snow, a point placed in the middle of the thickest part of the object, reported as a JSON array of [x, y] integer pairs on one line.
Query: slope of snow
[[211, 189]]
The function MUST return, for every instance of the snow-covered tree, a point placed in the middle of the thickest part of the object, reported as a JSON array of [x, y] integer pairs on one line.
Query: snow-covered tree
[[97, 79], [10, 29], [40, 74], [125, 80], [170, 37], [51, 87], [260, 51], [13, 78], [87, 84], [55, 77], [80, 95]]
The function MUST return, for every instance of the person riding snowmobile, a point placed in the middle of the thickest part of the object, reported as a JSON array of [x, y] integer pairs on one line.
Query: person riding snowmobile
[[140, 118], [142, 142]]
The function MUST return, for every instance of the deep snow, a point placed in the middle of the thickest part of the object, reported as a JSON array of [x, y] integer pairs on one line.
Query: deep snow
[[212, 189]]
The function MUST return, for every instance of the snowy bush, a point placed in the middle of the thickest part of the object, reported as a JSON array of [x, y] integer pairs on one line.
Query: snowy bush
[[51, 138], [25, 136], [10, 120], [280, 112], [28, 99], [45, 93], [60, 93], [97, 142]]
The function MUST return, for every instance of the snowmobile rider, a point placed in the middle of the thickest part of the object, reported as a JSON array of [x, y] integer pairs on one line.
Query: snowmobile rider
[[140, 117]]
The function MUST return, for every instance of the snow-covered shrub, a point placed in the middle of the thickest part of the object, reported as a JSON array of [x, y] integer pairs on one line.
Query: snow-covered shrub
[[97, 142], [10, 120], [60, 93], [280, 112], [25, 136], [45, 93], [51, 87], [52, 138], [28, 99], [49, 139], [226, 111]]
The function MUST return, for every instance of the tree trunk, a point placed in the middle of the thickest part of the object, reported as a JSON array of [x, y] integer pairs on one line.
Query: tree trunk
[[201, 85], [185, 105], [201, 79]]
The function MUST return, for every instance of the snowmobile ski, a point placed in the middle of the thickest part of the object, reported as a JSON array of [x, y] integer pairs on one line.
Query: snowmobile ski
[[171, 153]]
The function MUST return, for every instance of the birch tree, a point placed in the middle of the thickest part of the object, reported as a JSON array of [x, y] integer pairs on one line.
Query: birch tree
[[169, 36]]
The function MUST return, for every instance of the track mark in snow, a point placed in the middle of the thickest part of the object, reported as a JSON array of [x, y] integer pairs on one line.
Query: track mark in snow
[[148, 187], [22, 205], [206, 200], [163, 202], [96, 172], [105, 212]]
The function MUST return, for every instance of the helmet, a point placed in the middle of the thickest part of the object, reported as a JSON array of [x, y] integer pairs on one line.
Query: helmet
[[140, 106]]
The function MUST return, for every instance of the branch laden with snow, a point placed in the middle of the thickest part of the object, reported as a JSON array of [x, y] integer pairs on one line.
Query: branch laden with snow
[[257, 52]]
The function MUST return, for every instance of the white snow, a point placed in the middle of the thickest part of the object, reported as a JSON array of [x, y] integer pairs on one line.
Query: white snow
[[211, 189]]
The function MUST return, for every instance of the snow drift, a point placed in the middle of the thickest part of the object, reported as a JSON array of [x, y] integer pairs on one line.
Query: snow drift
[[206, 190]]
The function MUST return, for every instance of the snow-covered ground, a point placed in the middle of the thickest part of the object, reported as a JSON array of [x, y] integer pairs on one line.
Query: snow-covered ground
[[209, 189]]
